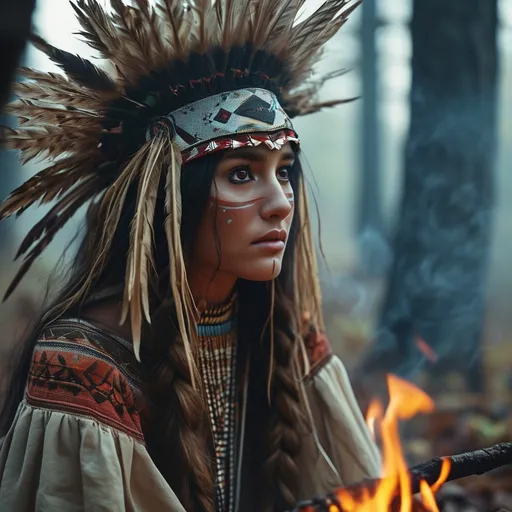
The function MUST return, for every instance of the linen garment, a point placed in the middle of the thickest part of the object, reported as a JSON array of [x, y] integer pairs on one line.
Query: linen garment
[[77, 443]]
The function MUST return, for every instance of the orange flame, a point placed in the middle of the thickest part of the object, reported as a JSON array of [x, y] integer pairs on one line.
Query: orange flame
[[406, 401]]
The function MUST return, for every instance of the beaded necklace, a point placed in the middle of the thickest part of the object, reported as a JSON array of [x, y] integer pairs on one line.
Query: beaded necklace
[[217, 362]]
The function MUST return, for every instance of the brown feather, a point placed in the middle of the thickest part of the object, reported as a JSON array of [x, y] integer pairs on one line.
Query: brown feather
[[172, 13], [281, 23], [101, 34], [49, 141], [186, 310], [202, 8], [140, 255], [97, 29], [152, 20], [81, 70], [59, 214], [22, 272], [44, 187], [263, 14], [111, 207], [308, 33], [274, 23], [234, 20], [44, 93], [46, 229], [341, 18], [131, 34]]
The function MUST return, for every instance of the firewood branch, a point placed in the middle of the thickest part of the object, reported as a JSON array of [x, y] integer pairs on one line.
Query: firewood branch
[[463, 465]]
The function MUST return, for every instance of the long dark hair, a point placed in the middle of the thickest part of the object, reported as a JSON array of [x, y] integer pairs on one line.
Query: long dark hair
[[177, 434]]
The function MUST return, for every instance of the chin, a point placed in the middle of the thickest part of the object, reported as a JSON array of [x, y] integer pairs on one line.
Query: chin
[[262, 270]]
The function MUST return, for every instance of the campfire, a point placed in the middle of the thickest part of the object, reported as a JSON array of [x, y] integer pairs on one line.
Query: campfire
[[405, 402], [404, 489]]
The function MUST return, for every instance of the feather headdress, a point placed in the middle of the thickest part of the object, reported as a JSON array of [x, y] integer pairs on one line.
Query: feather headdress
[[104, 129]]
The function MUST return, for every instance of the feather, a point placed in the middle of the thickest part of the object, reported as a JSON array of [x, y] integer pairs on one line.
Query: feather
[[50, 78], [49, 141], [308, 32], [45, 186], [140, 255], [58, 96], [340, 19], [208, 29], [311, 35], [172, 13], [28, 106], [111, 207], [281, 23], [97, 30], [200, 9], [151, 18], [130, 32], [52, 221], [264, 14], [46, 229], [57, 82], [234, 19], [101, 33], [186, 311], [76, 67]]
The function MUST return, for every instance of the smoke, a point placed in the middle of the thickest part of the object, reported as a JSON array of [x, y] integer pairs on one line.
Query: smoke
[[437, 283]]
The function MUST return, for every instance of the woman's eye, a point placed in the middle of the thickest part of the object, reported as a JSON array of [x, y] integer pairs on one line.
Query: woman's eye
[[283, 174], [240, 175]]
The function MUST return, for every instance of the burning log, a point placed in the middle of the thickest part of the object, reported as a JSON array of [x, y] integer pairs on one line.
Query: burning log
[[466, 464]]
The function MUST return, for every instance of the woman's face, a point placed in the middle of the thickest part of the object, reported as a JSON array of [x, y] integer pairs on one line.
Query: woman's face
[[246, 225]]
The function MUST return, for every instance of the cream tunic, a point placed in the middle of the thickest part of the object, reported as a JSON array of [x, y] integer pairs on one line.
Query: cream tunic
[[76, 443]]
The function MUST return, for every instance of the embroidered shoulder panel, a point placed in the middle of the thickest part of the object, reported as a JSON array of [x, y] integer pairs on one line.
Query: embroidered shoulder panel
[[77, 370], [318, 349]]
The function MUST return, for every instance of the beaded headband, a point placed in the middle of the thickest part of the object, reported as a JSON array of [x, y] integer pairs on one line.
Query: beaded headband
[[230, 120]]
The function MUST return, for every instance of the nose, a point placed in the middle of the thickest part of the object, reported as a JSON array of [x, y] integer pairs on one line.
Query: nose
[[276, 205]]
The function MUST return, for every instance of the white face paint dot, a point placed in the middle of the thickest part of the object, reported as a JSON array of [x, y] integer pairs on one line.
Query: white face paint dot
[[230, 221], [223, 211]]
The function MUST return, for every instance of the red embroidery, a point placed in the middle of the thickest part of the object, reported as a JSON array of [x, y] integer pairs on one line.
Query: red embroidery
[[74, 376]]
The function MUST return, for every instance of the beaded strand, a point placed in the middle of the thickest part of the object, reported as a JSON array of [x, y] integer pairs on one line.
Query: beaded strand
[[217, 363]]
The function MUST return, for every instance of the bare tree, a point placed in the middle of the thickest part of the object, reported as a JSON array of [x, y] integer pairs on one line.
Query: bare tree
[[436, 289]]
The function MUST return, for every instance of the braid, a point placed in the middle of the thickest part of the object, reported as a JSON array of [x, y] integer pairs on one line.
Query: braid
[[286, 419], [179, 423]]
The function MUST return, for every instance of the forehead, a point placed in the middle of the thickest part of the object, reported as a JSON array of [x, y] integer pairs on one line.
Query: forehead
[[261, 152]]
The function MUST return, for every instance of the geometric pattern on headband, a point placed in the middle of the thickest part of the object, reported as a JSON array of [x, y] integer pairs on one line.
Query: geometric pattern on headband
[[239, 118], [274, 140]]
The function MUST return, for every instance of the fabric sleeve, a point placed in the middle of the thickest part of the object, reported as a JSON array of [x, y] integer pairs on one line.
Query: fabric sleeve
[[76, 443], [341, 450], [340, 424], [53, 461]]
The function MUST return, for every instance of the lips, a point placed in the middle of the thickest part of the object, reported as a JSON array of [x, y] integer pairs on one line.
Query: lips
[[274, 236]]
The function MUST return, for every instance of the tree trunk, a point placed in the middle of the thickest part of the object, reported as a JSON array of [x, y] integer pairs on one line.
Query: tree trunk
[[15, 21], [436, 289], [373, 252]]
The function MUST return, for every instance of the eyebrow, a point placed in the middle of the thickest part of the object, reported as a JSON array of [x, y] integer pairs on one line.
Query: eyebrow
[[255, 156]]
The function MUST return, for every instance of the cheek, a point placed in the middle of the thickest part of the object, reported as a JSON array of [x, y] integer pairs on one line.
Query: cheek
[[232, 221]]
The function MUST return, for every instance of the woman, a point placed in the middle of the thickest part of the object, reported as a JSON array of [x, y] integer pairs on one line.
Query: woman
[[183, 367]]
